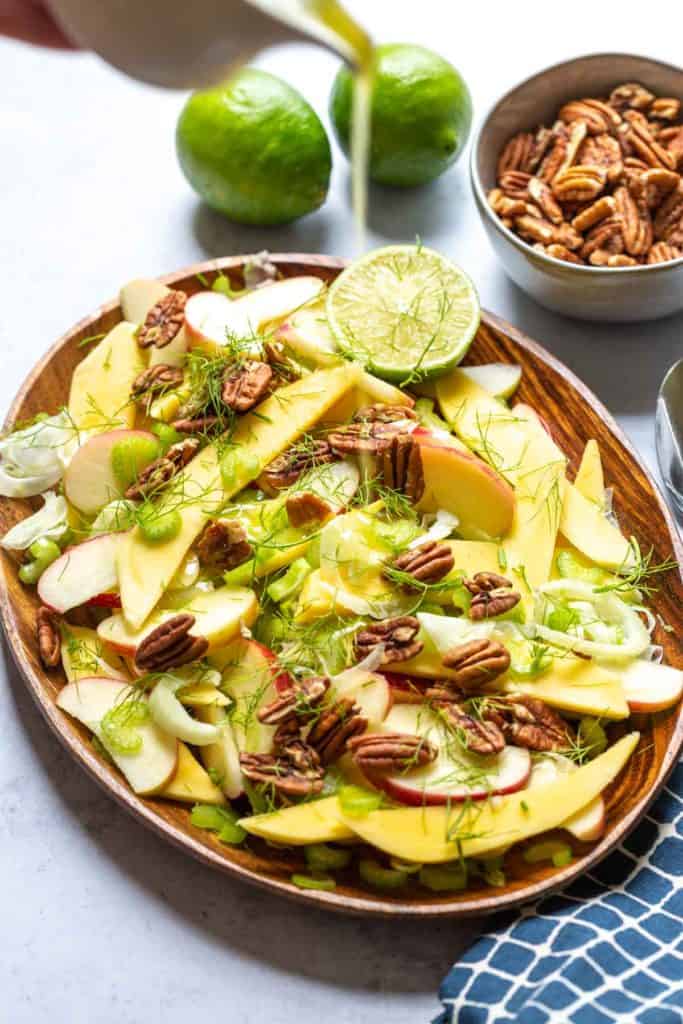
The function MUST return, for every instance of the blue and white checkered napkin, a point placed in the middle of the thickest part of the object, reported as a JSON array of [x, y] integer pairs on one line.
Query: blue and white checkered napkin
[[609, 949]]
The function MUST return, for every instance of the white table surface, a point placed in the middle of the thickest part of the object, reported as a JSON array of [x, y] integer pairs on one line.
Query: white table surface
[[102, 922]]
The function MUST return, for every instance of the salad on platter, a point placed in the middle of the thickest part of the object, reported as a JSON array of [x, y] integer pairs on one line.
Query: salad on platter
[[341, 595]]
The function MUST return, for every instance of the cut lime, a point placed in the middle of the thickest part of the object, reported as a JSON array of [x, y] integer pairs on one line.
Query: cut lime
[[404, 311]]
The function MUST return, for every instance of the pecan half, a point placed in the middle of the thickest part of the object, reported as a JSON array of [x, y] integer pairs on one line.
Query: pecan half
[[476, 662], [669, 215], [391, 751], [535, 229], [398, 635], [244, 386], [635, 220], [492, 595], [307, 508], [504, 206], [665, 108], [159, 472], [602, 151], [620, 259], [155, 379], [163, 321], [197, 425], [542, 194], [515, 184], [593, 213], [657, 183], [579, 183], [639, 139], [662, 252], [335, 727], [368, 437], [606, 235], [477, 735], [427, 563], [672, 139], [528, 722], [630, 96], [303, 757], [279, 772], [286, 469], [598, 117], [382, 412], [223, 545], [170, 645], [48, 637], [517, 154], [299, 700], [560, 252], [402, 467]]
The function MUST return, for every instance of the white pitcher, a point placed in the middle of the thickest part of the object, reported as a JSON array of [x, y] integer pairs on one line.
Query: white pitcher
[[193, 43]]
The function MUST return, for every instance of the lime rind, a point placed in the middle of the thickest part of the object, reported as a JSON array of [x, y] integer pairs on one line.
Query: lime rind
[[405, 312]]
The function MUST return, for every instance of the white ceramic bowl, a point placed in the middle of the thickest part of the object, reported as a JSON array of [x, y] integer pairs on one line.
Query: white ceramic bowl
[[589, 293]]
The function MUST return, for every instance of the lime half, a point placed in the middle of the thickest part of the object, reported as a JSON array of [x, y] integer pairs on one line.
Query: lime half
[[405, 312]]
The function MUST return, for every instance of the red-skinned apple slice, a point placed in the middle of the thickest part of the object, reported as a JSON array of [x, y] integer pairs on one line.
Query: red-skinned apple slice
[[81, 573], [89, 480], [455, 776], [89, 699], [650, 687], [105, 601], [462, 484], [211, 318]]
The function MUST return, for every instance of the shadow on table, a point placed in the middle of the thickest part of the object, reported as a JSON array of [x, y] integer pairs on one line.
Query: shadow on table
[[350, 953], [220, 237], [626, 374]]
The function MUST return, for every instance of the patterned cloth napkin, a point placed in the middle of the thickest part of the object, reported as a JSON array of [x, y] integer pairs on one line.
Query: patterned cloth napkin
[[609, 949]]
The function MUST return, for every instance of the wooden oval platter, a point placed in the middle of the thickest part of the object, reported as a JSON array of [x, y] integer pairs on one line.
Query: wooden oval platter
[[574, 415]]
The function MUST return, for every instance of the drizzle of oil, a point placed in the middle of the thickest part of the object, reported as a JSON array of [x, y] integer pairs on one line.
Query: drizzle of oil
[[358, 44]]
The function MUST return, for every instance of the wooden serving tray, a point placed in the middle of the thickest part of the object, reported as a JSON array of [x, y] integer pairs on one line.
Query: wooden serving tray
[[574, 415]]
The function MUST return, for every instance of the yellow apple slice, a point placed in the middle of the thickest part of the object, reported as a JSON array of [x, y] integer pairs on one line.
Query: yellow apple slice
[[430, 835], [525, 456], [589, 479], [145, 570], [88, 700], [99, 398], [219, 616], [577, 686], [189, 783], [84, 654], [199, 695], [464, 485], [138, 296], [318, 821]]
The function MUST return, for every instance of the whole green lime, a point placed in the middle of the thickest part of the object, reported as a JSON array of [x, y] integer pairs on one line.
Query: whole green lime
[[254, 149], [421, 114]]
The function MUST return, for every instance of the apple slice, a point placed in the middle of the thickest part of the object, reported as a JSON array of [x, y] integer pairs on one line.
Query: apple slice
[[190, 783], [89, 481], [455, 775], [370, 691], [307, 335], [651, 687], [138, 296], [211, 318], [587, 824], [89, 700], [83, 653], [222, 758], [81, 573], [219, 616], [462, 484], [500, 379], [250, 672]]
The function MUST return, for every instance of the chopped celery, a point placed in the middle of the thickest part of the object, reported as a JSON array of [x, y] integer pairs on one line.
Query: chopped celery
[[592, 737], [237, 464], [167, 435], [562, 858], [221, 820], [380, 877], [44, 550], [357, 802], [30, 573], [324, 882], [444, 877], [313, 553], [119, 726], [563, 618], [570, 567], [528, 661], [232, 833], [130, 455], [491, 870], [291, 582], [322, 858], [157, 527], [546, 849], [424, 410]]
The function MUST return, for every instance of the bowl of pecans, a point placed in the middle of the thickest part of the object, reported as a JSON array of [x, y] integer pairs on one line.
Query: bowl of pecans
[[578, 176]]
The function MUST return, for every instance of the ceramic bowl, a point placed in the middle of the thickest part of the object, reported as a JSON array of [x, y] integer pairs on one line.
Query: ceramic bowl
[[588, 293]]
